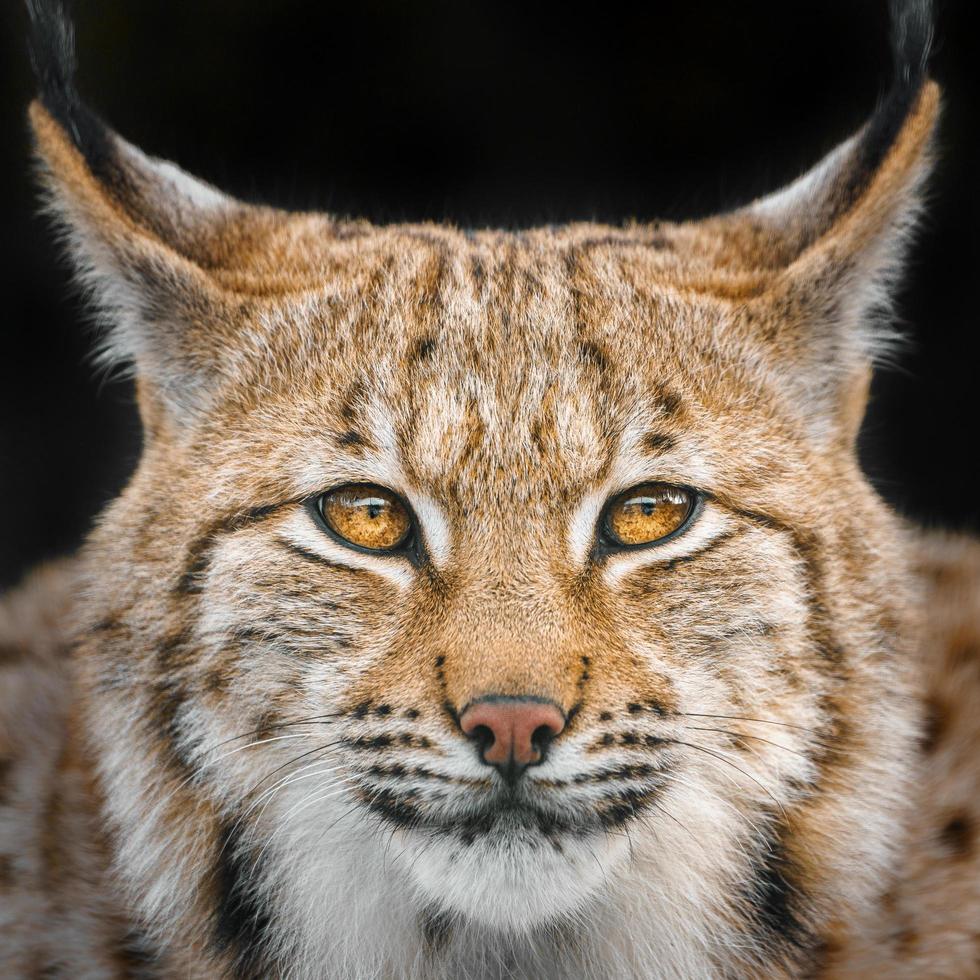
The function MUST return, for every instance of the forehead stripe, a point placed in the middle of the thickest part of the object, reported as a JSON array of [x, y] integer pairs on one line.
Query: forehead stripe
[[658, 442]]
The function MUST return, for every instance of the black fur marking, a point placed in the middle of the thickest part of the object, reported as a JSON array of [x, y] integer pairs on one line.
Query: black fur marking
[[167, 701], [631, 771], [248, 634], [10, 654], [361, 710], [604, 241], [804, 544], [658, 442], [8, 878], [447, 705], [479, 272], [911, 41], [451, 711], [350, 439], [137, 957], [695, 555], [398, 771], [6, 768], [573, 712], [199, 551], [50, 971], [52, 50], [670, 401], [655, 240], [958, 836], [624, 806], [172, 654], [776, 899], [396, 808], [109, 624], [242, 922], [367, 743], [423, 349], [591, 353], [196, 565], [313, 557], [935, 725], [437, 928]]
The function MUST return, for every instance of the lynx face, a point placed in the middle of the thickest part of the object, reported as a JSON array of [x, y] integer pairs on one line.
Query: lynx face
[[506, 421], [495, 582]]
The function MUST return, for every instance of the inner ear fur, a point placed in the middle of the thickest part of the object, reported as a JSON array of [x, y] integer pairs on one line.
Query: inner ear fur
[[828, 248], [144, 238], [833, 245]]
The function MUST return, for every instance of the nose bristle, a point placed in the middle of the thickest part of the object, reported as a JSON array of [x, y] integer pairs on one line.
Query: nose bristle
[[510, 732]]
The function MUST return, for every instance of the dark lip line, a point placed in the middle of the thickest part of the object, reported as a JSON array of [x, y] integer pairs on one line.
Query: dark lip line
[[627, 772], [533, 817], [483, 826]]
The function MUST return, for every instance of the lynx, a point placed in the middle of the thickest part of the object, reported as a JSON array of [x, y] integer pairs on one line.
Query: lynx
[[492, 603]]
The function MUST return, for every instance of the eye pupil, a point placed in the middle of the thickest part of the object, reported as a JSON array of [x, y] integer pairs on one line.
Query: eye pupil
[[647, 514]]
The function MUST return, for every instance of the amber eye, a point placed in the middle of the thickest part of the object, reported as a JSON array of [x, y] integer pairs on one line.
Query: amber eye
[[367, 516], [648, 513]]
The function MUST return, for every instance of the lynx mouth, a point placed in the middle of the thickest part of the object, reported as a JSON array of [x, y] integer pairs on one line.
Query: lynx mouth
[[514, 814], [502, 817]]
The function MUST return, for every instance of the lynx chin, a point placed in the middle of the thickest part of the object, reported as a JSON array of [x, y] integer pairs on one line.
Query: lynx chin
[[492, 604]]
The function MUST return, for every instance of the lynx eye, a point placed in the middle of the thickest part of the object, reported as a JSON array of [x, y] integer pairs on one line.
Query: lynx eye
[[647, 514], [366, 516]]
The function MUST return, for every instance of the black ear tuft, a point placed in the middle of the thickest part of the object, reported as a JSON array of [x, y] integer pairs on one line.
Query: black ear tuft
[[52, 51], [911, 40]]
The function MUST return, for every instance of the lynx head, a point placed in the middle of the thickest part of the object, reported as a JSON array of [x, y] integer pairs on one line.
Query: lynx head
[[495, 587]]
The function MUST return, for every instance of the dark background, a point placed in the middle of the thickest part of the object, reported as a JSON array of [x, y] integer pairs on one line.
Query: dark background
[[481, 112]]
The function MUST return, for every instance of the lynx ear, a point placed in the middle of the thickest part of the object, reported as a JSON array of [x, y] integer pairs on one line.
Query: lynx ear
[[834, 240], [146, 237]]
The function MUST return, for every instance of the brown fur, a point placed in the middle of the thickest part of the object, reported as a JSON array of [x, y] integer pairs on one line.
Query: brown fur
[[740, 788]]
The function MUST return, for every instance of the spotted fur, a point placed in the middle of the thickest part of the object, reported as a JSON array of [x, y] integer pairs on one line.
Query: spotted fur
[[231, 745]]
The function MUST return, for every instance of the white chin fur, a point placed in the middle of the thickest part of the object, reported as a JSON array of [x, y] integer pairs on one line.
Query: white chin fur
[[509, 883]]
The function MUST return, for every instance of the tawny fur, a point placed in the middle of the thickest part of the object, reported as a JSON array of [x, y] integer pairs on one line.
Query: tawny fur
[[60, 909], [230, 745]]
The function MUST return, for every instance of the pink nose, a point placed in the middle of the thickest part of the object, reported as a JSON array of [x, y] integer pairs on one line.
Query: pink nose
[[512, 733]]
